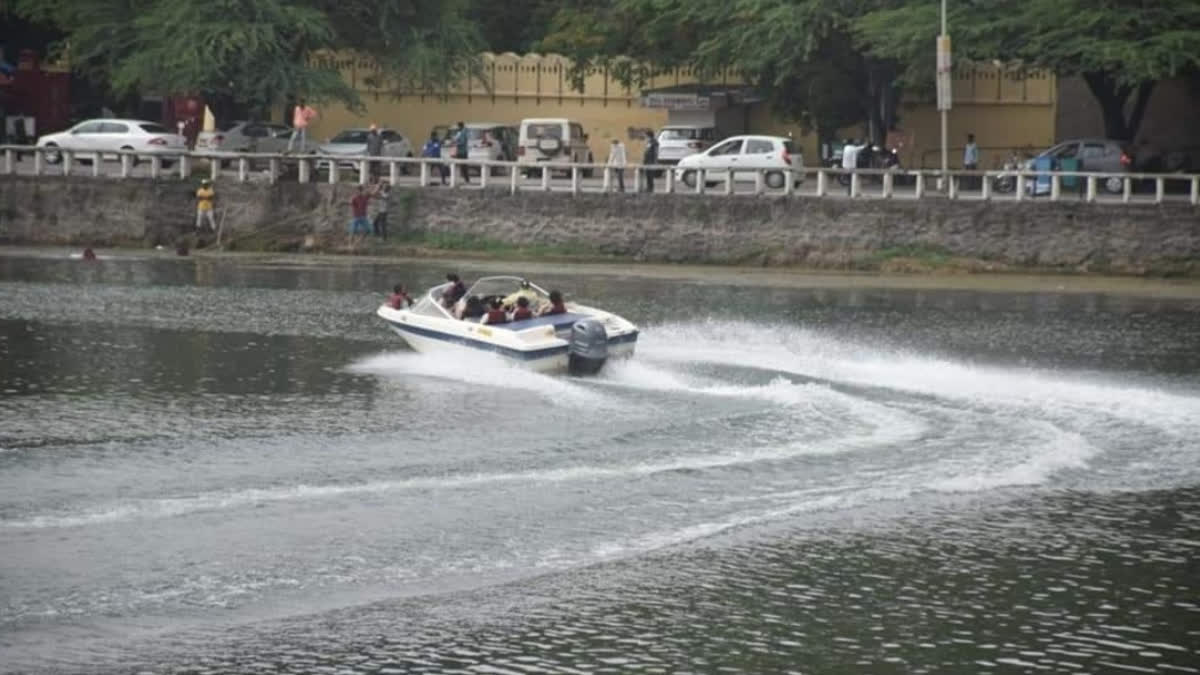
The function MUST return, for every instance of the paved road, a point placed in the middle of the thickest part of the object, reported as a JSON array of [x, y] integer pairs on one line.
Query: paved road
[[1178, 191]]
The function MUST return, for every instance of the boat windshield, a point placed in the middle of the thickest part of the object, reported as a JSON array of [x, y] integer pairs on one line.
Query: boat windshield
[[503, 287]]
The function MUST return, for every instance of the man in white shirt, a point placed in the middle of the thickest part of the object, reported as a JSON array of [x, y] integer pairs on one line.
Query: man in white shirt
[[616, 162], [850, 160]]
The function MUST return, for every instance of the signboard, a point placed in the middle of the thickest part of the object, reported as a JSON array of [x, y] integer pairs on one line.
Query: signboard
[[676, 101], [944, 86]]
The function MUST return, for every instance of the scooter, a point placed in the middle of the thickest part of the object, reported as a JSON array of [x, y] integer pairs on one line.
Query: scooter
[[1006, 181]]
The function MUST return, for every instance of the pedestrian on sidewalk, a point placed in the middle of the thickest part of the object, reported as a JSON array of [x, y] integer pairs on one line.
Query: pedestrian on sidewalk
[[302, 114], [374, 149], [971, 160], [205, 196], [433, 149], [616, 162], [462, 150], [650, 158]]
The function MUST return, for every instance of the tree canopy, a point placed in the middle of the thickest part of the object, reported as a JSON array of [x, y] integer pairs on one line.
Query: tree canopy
[[258, 51], [1120, 48]]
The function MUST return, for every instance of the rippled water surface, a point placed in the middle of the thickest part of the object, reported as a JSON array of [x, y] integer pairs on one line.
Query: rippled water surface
[[229, 466]]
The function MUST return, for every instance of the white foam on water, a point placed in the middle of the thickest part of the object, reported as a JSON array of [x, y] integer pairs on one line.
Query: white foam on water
[[479, 369], [1061, 450], [807, 353]]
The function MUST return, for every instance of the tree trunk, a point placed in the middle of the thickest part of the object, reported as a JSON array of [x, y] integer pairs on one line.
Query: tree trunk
[[1114, 99]]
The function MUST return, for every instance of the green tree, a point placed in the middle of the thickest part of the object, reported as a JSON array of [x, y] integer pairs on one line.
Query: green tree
[[799, 53], [258, 52], [1121, 48]]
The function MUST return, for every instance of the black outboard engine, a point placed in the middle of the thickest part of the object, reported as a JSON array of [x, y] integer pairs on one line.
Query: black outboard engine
[[587, 349]]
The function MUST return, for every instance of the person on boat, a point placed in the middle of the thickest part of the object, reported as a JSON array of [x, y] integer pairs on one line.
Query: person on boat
[[456, 291], [557, 306], [400, 298], [496, 314], [522, 311], [473, 309], [525, 291]]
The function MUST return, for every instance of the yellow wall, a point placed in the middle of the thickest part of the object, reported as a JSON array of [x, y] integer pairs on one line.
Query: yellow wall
[[1003, 108]]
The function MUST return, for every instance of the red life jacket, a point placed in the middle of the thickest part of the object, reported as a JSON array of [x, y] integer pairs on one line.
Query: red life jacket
[[556, 309], [522, 313], [497, 316]]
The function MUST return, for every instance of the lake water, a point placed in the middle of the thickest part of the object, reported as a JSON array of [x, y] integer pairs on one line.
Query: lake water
[[230, 466]]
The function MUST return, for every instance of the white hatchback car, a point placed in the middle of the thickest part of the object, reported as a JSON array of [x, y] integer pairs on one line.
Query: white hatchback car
[[102, 138], [741, 157], [679, 140]]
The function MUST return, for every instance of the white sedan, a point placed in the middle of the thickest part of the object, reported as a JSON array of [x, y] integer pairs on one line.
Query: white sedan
[[102, 138], [740, 158]]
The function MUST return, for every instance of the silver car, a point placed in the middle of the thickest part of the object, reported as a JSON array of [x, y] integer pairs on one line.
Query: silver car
[[353, 142], [243, 136]]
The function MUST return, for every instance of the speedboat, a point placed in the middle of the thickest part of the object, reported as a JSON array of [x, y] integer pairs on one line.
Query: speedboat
[[579, 341]]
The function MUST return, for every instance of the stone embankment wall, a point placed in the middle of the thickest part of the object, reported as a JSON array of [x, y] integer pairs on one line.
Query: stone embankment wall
[[828, 233]]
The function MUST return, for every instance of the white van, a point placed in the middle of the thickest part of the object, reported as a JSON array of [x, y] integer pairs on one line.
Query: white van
[[556, 140]]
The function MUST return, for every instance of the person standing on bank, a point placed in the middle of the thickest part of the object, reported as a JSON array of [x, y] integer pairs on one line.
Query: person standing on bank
[[302, 114], [379, 225], [649, 158], [616, 162], [374, 149], [205, 196], [971, 159]]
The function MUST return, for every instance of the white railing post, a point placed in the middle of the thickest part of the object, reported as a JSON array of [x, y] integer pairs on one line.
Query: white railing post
[[887, 185], [1055, 187], [37, 163], [185, 166], [513, 175], [606, 180], [364, 171], [919, 186], [1196, 189], [243, 169], [155, 166], [574, 179], [67, 160], [453, 174], [334, 170], [822, 182], [729, 182], [10, 161], [423, 173], [214, 168], [854, 184], [301, 170], [637, 179], [96, 164], [789, 180], [1126, 189], [485, 172], [952, 187], [985, 188], [701, 181], [1160, 185], [1091, 187], [546, 179], [393, 172], [758, 181], [669, 175], [126, 165], [1019, 191]]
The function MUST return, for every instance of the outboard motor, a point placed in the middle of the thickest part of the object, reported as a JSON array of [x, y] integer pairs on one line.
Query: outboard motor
[[587, 350]]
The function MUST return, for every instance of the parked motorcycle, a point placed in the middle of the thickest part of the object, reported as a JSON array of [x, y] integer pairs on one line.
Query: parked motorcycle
[[1006, 181]]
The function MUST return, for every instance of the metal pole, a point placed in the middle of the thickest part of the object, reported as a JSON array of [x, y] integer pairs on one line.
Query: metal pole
[[945, 114]]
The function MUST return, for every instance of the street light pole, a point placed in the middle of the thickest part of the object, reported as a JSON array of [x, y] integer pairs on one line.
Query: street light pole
[[944, 91]]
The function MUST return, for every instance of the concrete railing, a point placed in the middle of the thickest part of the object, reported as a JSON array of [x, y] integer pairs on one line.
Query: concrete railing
[[516, 176]]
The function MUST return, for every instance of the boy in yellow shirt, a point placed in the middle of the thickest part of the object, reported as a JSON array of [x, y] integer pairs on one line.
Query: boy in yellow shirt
[[204, 205]]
